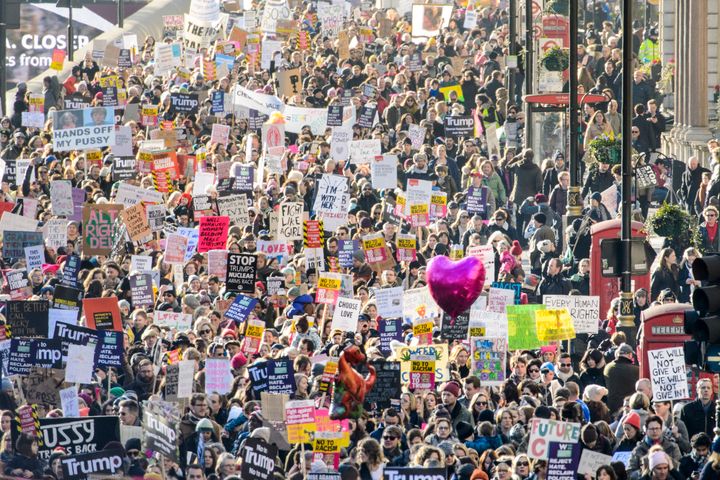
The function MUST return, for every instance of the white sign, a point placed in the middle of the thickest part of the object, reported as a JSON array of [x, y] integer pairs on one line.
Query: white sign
[[389, 302], [345, 317], [383, 171], [235, 207], [61, 198], [34, 257], [340, 144], [218, 378], [141, 263], [590, 461], [584, 310], [364, 151], [499, 298], [543, 431], [668, 375], [332, 201], [80, 363], [69, 402], [203, 180], [486, 254], [414, 301], [185, 378], [129, 195], [172, 320], [290, 225], [55, 233]]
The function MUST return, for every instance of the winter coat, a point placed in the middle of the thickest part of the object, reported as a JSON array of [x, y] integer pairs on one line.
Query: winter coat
[[697, 419], [494, 183], [527, 181], [592, 376], [642, 448], [620, 378]]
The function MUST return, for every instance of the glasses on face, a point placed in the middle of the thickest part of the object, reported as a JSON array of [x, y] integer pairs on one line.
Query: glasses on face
[[534, 370], [565, 364], [389, 437], [523, 464], [205, 332], [484, 404]]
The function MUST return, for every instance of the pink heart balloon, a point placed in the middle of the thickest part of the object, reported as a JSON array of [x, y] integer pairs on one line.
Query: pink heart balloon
[[455, 285]]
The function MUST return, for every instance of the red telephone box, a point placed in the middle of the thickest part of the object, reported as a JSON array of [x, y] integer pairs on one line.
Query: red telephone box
[[608, 288], [662, 327]]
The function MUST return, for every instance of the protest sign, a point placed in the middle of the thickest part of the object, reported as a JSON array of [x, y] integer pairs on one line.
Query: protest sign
[[160, 435], [80, 363], [455, 329], [554, 325], [42, 385], [136, 222], [76, 435], [140, 263], [27, 318], [15, 242], [141, 289], [459, 126], [328, 289], [487, 359], [61, 198], [258, 459], [235, 207], [175, 249], [290, 82], [335, 116], [34, 257], [563, 461], [172, 320], [332, 201], [300, 418], [584, 310], [128, 195], [389, 331], [522, 329], [273, 376], [499, 298], [69, 401], [345, 316], [213, 233], [668, 374], [83, 129], [78, 467], [19, 284], [290, 224], [419, 302], [55, 233], [241, 308], [26, 353], [514, 286], [422, 372], [387, 383], [241, 272], [389, 301], [417, 136], [98, 227], [413, 473], [184, 102], [383, 171], [102, 314], [544, 431], [346, 249], [218, 378], [406, 247], [590, 461]]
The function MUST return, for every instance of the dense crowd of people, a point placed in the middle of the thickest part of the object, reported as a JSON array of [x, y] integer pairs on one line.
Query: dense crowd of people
[[513, 201]]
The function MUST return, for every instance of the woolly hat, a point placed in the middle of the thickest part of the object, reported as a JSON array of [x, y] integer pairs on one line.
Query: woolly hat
[[632, 418], [516, 249], [540, 218], [238, 361], [117, 392], [452, 387], [657, 458], [204, 425]]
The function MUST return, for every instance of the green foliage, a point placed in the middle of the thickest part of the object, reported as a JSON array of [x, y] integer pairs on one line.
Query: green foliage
[[556, 59], [558, 7], [604, 149], [676, 225]]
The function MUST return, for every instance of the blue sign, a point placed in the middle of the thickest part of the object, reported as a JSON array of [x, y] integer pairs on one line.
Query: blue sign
[[218, 103], [346, 248], [70, 271], [241, 308], [516, 287]]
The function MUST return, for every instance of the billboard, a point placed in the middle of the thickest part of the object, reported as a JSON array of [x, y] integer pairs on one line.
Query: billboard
[[43, 28]]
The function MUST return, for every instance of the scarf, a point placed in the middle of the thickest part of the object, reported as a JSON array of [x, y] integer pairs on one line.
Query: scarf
[[564, 376]]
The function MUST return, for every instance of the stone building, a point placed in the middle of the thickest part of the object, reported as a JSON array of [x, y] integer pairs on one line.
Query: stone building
[[694, 49]]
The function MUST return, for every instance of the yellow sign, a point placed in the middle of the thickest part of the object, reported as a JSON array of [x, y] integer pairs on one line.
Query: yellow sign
[[422, 328], [110, 81], [254, 331], [440, 200], [554, 325], [418, 209], [329, 283], [327, 442], [440, 351], [373, 243], [406, 243]]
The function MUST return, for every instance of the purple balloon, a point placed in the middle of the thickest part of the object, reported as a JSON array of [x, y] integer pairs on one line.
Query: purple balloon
[[455, 285]]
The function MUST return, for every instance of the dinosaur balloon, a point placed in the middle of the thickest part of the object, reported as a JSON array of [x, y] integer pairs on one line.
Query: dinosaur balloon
[[350, 387]]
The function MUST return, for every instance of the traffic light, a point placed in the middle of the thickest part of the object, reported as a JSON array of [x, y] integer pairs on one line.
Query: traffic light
[[703, 322]]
